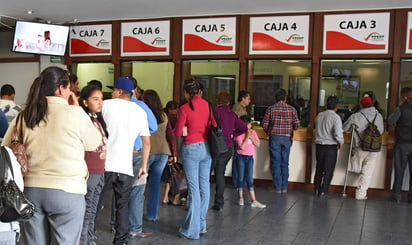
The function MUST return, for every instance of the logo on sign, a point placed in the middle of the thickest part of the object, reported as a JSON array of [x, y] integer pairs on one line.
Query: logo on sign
[[225, 39], [158, 41], [295, 38], [374, 36], [102, 43]]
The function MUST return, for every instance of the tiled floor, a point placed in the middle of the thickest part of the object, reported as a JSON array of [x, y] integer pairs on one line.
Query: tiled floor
[[293, 218]]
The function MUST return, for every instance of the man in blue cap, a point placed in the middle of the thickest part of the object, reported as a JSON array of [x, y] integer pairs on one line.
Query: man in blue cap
[[125, 122]]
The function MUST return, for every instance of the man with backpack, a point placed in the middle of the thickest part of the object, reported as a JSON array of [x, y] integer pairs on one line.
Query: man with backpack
[[368, 123]]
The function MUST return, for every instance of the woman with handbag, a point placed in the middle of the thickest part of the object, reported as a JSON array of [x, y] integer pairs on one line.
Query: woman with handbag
[[162, 144], [232, 126], [56, 133], [196, 158]]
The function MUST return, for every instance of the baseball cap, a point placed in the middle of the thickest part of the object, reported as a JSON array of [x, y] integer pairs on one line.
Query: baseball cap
[[366, 101], [123, 83]]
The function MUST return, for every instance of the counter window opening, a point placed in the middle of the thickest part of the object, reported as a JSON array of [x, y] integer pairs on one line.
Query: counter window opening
[[265, 76], [352, 79]]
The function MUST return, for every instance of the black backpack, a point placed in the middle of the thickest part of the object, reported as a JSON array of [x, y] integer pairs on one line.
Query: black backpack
[[372, 138]]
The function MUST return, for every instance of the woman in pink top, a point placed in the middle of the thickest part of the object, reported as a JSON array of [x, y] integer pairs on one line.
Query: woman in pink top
[[246, 150]]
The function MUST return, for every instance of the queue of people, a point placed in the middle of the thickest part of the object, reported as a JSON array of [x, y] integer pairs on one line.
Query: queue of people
[[89, 160]]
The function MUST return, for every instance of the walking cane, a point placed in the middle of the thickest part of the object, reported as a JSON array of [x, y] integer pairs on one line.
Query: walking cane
[[347, 165]]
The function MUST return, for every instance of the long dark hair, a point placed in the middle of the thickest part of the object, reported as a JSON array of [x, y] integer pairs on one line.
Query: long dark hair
[[192, 87], [45, 85], [84, 95], [152, 99]]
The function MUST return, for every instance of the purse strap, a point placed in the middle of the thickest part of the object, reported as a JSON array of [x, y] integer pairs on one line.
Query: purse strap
[[19, 123], [212, 110]]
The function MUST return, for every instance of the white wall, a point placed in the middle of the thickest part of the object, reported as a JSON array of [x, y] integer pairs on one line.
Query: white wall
[[20, 76]]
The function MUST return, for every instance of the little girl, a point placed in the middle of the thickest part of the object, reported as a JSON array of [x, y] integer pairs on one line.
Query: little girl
[[247, 143]]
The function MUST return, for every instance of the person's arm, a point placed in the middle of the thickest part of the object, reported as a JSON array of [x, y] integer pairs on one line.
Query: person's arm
[[265, 120], [348, 124], [171, 139], [296, 121], [145, 155], [180, 123], [338, 131], [242, 140], [255, 139], [4, 124], [394, 117], [240, 127]]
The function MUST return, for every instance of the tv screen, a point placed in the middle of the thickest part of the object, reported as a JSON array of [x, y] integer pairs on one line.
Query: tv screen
[[37, 38]]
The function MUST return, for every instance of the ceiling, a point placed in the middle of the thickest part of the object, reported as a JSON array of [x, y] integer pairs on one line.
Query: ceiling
[[75, 11]]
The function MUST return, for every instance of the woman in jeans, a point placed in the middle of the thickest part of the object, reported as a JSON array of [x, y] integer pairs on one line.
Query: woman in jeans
[[195, 158], [162, 145], [56, 133]]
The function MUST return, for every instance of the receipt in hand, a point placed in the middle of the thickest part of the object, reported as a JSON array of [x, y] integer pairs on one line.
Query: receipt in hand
[[141, 181]]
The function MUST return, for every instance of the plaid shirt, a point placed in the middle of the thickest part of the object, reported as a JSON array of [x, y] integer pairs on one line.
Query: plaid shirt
[[280, 119]]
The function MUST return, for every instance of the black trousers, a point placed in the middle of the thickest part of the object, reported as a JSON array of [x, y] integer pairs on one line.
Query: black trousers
[[403, 157], [325, 166], [122, 187], [219, 166]]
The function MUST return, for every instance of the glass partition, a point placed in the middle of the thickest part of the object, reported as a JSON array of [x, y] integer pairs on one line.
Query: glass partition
[[156, 75], [215, 75], [406, 74], [292, 75], [102, 72], [352, 79]]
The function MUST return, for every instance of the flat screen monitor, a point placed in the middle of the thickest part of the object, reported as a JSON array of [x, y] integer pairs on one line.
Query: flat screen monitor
[[37, 38]]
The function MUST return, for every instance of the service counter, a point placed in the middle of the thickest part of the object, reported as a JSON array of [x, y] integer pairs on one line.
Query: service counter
[[297, 161]]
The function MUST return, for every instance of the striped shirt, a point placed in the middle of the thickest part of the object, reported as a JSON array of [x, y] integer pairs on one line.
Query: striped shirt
[[280, 119]]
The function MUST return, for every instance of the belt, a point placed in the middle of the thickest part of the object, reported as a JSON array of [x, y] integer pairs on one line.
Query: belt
[[137, 151]]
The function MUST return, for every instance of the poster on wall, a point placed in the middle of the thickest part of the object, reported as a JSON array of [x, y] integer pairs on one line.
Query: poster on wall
[[366, 33], [145, 38], [91, 40], [209, 36], [409, 34], [279, 35]]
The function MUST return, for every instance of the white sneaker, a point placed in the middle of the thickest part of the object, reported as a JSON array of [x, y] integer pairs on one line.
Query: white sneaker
[[241, 202], [257, 204], [361, 197]]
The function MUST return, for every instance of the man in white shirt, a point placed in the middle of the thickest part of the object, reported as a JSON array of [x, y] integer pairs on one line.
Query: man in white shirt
[[125, 122], [329, 138], [7, 104]]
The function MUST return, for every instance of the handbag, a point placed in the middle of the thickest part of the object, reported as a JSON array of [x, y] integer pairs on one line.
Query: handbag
[[217, 142], [17, 146], [178, 179], [14, 206]]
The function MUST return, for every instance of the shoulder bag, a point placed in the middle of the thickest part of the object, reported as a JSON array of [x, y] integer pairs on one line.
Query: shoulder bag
[[14, 206], [217, 142], [17, 146]]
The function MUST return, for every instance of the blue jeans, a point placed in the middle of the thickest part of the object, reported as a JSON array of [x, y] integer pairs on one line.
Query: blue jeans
[[235, 167], [196, 164], [279, 148], [136, 198], [157, 163], [245, 171]]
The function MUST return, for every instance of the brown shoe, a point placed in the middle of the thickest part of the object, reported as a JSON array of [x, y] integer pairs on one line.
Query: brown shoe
[[140, 234]]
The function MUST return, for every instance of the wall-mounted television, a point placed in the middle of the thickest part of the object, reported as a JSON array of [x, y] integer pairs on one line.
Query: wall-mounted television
[[38, 38]]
